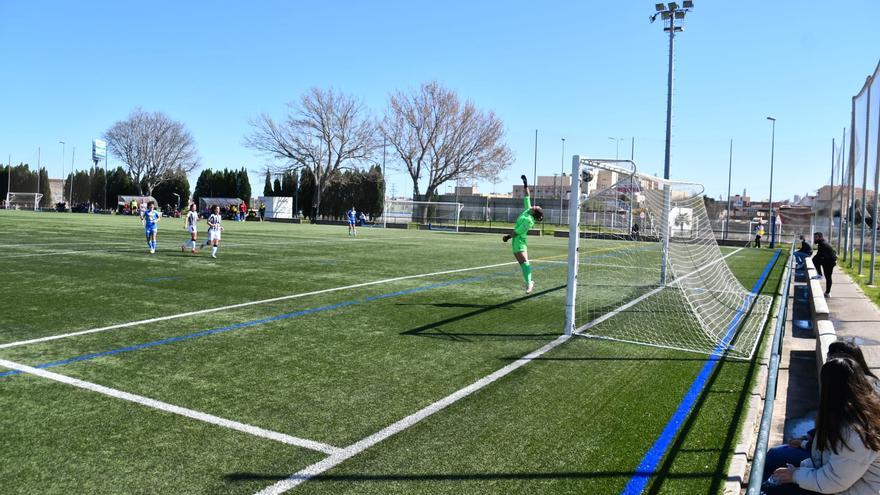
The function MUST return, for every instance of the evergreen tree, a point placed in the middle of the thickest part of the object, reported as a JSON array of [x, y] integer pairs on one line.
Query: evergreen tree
[[45, 190], [244, 185], [118, 184], [203, 186], [97, 194], [276, 187], [164, 192], [267, 187], [306, 193]]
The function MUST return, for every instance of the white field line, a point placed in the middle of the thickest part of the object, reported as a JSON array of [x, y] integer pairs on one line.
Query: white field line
[[171, 408], [245, 304], [352, 450], [356, 448]]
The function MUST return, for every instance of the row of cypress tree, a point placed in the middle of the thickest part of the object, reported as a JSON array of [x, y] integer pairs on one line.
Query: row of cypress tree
[[363, 189]]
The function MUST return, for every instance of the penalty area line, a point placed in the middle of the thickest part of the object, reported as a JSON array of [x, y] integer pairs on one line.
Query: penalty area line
[[171, 408]]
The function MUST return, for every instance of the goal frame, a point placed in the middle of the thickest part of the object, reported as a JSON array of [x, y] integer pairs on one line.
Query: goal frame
[[37, 198], [457, 208]]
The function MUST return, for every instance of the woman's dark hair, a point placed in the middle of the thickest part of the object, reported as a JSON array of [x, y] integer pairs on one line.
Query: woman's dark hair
[[847, 400], [848, 348]]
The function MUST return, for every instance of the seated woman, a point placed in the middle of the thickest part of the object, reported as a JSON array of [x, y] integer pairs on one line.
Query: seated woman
[[798, 448], [845, 456]]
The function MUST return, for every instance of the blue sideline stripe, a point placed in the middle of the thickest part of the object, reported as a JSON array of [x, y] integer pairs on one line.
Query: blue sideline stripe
[[285, 316], [648, 465]]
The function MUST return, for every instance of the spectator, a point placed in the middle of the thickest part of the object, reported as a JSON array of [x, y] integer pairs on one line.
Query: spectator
[[636, 235], [262, 211], [242, 212], [803, 253], [759, 232], [845, 455], [798, 448], [362, 219], [825, 259], [233, 210]]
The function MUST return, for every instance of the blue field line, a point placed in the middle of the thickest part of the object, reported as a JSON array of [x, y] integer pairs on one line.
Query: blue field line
[[238, 326], [652, 458]]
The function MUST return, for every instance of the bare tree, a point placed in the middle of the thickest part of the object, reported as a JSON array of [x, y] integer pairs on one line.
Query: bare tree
[[437, 136], [324, 132], [153, 147]]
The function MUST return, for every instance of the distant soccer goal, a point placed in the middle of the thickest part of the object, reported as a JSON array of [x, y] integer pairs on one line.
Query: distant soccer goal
[[645, 268], [431, 215], [23, 201]]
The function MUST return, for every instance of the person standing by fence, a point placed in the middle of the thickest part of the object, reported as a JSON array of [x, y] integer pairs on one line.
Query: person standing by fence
[[825, 259]]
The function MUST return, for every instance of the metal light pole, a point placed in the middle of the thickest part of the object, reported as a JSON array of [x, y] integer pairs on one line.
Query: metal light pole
[[62, 166], [616, 147], [729, 175], [72, 157], [772, 215], [670, 15], [562, 174], [535, 174]]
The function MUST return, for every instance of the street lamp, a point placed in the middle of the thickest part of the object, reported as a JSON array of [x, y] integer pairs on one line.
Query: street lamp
[[772, 216], [669, 14]]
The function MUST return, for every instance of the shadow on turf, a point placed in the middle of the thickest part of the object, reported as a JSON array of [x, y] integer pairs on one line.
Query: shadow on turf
[[423, 331]]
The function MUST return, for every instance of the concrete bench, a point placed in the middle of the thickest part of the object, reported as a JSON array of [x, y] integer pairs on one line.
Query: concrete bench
[[821, 316], [825, 336]]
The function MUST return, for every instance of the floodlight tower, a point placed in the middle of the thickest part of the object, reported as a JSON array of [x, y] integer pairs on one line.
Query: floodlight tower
[[670, 13]]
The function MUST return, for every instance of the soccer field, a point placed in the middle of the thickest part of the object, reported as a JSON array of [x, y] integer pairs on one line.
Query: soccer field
[[305, 359]]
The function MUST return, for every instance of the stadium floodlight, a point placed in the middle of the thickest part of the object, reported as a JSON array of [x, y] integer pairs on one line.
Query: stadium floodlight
[[660, 7], [670, 15], [688, 4]]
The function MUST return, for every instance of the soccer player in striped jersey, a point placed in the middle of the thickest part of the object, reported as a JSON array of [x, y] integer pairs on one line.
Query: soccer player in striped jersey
[[520, 234], [214, 229], [150, 218], [192, 219]]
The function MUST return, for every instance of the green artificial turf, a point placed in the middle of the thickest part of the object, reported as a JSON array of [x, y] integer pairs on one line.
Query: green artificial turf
[[334, 366]]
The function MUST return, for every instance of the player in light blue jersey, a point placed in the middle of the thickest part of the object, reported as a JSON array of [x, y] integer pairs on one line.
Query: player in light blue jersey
[[352, 221], [150, 218]]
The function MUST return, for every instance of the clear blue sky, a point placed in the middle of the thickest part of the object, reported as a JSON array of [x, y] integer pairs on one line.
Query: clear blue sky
[[582, 70]]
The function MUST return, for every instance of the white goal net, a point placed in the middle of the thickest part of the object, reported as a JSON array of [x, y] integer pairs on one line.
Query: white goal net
[[646, 269], [23, 201], [429, 215]]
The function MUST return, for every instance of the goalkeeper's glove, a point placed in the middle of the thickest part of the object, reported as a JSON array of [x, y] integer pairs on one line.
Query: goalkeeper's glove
[[525, 183], [506, 237]]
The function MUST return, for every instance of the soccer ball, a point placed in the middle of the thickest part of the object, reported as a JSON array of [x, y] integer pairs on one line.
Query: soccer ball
[[586, 175]]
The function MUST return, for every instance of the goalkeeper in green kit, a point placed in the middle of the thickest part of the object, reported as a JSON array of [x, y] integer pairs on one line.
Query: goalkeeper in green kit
[[520, 234]]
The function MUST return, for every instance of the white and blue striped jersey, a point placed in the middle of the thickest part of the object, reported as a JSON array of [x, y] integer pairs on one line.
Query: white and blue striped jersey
[[214, 222]]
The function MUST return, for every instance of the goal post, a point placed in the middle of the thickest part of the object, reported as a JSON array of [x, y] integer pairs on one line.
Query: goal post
[[644, 266], [432, 215], [23, 201]]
